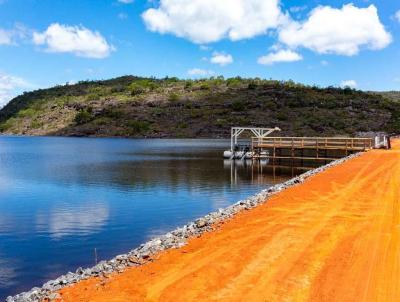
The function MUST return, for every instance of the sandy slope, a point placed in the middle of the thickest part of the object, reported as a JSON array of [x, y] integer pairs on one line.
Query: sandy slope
[[334, 238]]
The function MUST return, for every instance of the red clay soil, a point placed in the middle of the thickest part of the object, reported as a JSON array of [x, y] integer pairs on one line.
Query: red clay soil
[[334, 238]]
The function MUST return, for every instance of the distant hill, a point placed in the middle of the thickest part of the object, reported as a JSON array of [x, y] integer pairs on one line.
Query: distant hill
[[393, 95], [146, 107]]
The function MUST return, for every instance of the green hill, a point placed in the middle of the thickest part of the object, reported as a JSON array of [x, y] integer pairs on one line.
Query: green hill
[[146, 107]]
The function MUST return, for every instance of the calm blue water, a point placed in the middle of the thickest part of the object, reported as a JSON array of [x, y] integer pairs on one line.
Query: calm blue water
[[60, 198]]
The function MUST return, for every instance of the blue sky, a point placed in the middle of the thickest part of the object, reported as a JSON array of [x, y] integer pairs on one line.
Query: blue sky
[[43, 42]]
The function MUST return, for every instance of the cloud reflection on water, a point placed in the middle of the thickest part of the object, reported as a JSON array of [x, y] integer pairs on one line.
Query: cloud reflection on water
[[68, 220]]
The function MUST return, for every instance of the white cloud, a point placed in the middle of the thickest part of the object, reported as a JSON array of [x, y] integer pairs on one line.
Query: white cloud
[[9, 85], [397, 15], [221, 58], [5, 37], [280, 56], [349, 83], [205, 21], [197, 72], [338, 31], [73, 39], [11, 36], [205, 47], [122, 16]]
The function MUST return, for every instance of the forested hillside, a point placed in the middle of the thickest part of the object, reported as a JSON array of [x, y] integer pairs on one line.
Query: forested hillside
[[147, 107]]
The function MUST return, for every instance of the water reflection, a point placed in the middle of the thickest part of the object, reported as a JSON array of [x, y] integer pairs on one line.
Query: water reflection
[[264, 171], [8, 271], [67, 220]]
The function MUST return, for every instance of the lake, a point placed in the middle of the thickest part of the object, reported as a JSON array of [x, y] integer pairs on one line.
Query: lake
[[61, 198]]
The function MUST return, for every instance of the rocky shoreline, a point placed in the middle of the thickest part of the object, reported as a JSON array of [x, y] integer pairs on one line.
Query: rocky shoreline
[[174, 239]]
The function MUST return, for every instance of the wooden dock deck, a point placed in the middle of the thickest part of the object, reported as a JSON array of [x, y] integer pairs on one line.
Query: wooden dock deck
[[312, 148]]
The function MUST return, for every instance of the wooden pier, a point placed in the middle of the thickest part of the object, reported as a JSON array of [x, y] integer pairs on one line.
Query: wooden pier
[[261, 146], [311, 148]]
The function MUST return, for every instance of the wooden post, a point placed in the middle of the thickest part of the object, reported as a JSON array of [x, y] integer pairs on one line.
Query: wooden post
[[292, 149]]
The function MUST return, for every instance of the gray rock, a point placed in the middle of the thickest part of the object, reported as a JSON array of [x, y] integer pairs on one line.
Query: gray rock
[[200, 223]]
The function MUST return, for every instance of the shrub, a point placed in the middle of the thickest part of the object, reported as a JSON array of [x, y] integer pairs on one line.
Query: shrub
[[182, 125], [282, 116], [3, 127], [113, 113], [188, 84], [93, 97], [252, 86], [138, 127], [348, 91], [189, 105], [171, 80], [83, 117], [102, 121], [142, 86], [29, 112], [7, 124], [221, 122], [173, 97], [118, 89], [216, 81], [238, 105], [205, 86], [136, 89], [35, 124], [157, 111], [234, 82]]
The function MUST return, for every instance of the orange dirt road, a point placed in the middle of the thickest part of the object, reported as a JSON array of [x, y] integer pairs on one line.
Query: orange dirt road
[[335, 237]]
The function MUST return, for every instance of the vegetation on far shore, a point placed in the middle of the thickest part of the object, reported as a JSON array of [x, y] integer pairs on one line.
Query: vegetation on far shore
[[131, 106]]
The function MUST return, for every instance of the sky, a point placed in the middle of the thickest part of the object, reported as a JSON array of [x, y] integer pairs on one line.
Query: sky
[[317, 42]]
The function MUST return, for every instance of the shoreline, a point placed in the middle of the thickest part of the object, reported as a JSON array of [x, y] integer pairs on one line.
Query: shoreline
[[171, 240]]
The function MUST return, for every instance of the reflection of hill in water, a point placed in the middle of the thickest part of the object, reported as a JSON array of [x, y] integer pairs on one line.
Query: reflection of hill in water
[[130, 164], [180, 171], [175, 173]]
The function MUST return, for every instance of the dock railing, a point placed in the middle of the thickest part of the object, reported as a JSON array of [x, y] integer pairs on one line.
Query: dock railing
[[327, 143]]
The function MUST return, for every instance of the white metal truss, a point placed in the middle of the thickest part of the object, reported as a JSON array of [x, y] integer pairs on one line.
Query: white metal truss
[[258, 132]]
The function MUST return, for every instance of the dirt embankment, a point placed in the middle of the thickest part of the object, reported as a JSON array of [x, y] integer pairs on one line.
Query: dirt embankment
[[334, 238]]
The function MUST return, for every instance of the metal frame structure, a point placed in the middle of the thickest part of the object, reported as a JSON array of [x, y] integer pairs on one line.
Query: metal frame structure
[[258, 132]]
